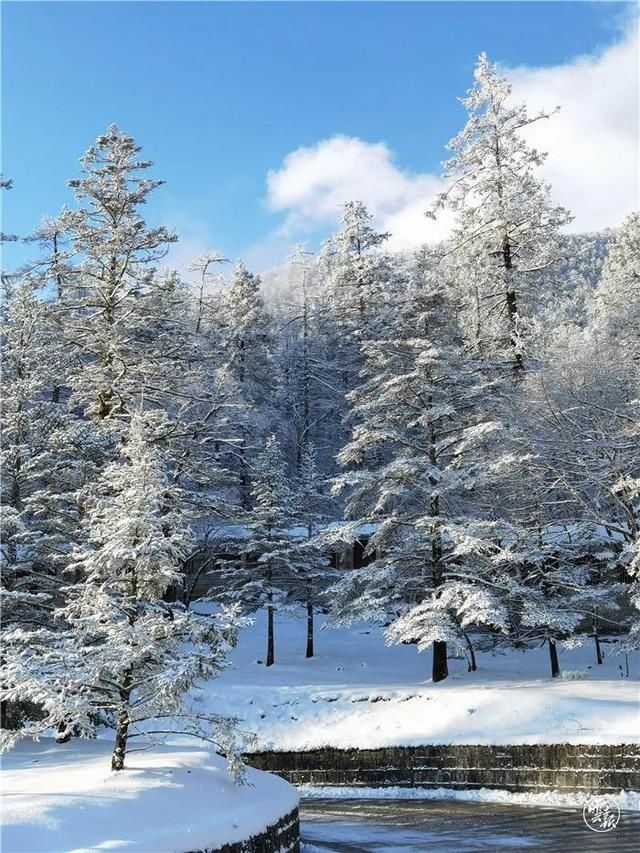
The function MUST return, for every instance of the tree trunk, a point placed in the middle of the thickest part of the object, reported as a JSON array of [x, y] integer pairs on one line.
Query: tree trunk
[[270, 650], [122, 732], [63, 735], [309, 652], [440, 669], [512, 309], [596, 639], [473, 667], [245, 495], [303, 438], [122, 720], [510, 294], [553, 657]]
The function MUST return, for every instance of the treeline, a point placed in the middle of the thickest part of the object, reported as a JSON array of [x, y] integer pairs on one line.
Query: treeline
[[475, 403]]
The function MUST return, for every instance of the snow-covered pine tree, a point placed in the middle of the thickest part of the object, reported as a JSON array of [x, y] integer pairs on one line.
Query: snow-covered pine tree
[[27, 585], [263, 580], [505, 243], [297, 356], [360, 298], [209, 280], [312, 567], [204, 406], [105, 297], [355, 263], [48, 453], [357, 274], [128, 328], [439, 570], [247, 350], [312, 401], [579, 416], [615, 308], [562, 586], [125, 652]]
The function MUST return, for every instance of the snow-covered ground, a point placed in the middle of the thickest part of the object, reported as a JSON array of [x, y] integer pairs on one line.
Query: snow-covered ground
[[358, 692], [64, 798]]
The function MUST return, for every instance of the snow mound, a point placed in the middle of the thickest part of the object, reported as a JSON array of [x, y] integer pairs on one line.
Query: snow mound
[[64, 798]]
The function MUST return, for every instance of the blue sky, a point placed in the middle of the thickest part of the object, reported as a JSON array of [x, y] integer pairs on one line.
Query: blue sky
[[219, 94]]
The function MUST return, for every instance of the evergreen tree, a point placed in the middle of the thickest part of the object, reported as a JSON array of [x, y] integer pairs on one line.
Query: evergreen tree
[[355, 266], [312, 400], [27, 586], [615, 308], [48, 453], [505, 244], [125, 652], [106, 297], [247, 349], [357, 272], [269, 560], [439, 569], [312, 571], [578, 423]]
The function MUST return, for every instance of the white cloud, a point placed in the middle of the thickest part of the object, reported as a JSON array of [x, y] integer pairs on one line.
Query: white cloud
[[592, 143], [313, 183], [592, 163]]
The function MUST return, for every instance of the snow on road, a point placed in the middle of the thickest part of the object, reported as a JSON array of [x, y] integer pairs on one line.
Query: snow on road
[[358, 692]]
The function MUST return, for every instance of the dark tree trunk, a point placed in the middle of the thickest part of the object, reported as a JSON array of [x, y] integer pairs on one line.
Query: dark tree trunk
[[122, 719], [510, 294], [440, 670], [120, 745], [63, 734], [309, 652], [245, 495], [270, 647], [553, 657], [512, 310], [473, 667], [596, 639]]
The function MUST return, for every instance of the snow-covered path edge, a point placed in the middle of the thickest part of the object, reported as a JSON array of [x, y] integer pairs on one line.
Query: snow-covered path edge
[[626, 800]]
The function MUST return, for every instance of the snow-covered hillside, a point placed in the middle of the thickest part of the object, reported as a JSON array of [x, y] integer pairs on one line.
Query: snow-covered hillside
[[358, 692], [64, 797]]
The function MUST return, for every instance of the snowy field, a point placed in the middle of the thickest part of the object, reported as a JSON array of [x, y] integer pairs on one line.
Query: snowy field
[[358, 692], [63, 798]]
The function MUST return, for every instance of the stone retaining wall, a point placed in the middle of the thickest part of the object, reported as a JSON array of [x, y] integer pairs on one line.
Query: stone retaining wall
[[280, 837], [565, 767]]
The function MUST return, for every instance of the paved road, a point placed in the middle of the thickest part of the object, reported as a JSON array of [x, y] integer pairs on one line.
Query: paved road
[[416, 826]]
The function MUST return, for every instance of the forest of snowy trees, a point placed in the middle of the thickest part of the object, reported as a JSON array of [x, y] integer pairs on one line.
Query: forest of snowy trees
[[475, 405]]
